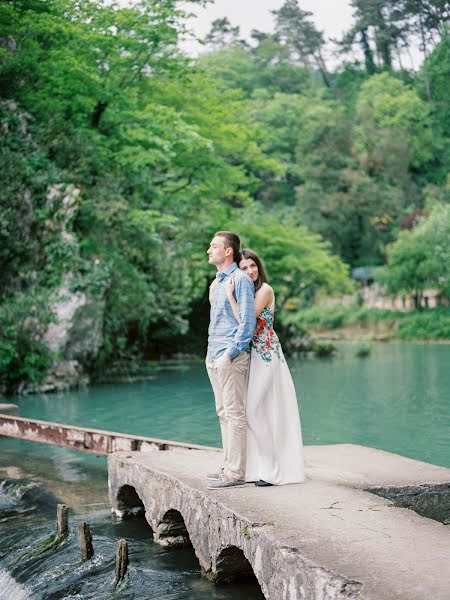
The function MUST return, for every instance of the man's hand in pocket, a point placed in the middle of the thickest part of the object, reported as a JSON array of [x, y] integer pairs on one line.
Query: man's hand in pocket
[[223, 361]]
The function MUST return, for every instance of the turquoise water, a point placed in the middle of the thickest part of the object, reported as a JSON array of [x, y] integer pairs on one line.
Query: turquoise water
[[397, 399]]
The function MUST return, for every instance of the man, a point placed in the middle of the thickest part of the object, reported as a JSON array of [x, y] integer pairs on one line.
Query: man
[[228, 357]]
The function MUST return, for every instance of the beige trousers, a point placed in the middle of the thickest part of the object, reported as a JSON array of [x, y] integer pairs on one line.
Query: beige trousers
[[229, 384]]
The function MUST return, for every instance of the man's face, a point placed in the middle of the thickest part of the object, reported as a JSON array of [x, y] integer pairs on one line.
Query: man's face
[[217, 252]]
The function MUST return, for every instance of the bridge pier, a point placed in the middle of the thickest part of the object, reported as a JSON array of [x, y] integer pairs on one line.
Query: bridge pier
[[178, 519]]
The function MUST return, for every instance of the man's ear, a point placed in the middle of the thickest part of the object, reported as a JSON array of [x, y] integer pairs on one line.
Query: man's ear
[[228, 251]]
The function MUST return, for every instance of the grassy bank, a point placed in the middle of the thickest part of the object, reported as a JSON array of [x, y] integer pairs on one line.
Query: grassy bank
[[356, 322]]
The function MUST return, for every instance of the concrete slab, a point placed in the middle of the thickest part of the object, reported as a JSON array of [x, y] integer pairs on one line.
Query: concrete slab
[[9, 409], [325, 538], [364, 467]]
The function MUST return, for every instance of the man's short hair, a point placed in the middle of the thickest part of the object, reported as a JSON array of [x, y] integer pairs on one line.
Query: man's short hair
[[231, 240]]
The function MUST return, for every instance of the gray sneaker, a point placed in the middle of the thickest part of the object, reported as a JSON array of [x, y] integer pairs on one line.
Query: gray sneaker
[[223, 483], [215, 476]]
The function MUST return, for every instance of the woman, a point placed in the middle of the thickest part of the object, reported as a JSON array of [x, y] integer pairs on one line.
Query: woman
[[274, 438]]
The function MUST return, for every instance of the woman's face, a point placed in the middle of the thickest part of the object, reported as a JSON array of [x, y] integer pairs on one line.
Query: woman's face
[[248, 265]]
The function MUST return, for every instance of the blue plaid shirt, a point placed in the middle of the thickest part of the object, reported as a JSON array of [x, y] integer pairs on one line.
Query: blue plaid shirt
[[225, 333]]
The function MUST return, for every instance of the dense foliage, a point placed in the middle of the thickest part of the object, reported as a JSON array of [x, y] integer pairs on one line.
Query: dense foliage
[[121, 157], [420, 258], [376, 323]]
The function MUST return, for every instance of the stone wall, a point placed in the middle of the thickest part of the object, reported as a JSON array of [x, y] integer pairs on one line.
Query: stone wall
[[227, 545]]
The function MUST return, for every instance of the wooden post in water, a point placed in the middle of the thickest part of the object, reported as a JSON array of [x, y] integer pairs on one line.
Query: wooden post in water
[[62, 520], [121, 561], [85, 541]]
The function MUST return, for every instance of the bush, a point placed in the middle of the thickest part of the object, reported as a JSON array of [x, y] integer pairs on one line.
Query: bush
[[328, 317], [432, 324], [363, 350], [428, 324], [23, 356], [333, 317], [322, 349]]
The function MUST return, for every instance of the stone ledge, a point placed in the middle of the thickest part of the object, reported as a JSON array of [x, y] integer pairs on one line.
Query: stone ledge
[[325, 539], [9, 409]]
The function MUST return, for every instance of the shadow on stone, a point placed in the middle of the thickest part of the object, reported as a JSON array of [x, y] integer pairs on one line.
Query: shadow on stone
[[231, 565], [171, 531], [429, 500], [128, 501]]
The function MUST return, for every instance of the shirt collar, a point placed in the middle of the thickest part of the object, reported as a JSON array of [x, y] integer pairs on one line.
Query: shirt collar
[[220, 276]]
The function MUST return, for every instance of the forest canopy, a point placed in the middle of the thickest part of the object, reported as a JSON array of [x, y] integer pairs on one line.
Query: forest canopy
[[121, 156]]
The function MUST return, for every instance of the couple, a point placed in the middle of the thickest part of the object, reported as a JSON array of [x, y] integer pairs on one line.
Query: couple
[[254, 392]]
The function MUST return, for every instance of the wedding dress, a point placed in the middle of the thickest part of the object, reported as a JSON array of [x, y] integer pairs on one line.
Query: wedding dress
[[274, 438]]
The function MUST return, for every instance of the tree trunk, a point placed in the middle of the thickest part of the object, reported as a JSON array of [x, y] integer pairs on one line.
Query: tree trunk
[[97, 114], [383, 42], [425, 53], [325, 75], [368, 54], [385, 51], [400, 64]]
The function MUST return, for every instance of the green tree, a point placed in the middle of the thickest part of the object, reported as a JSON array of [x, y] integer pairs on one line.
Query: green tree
[[420, 258], [382, 23], [393, 134], [264, 68], [305, 42], [76, 60], [335, 196], [433, 83], [159, 152], [222, 34], [299, 263]]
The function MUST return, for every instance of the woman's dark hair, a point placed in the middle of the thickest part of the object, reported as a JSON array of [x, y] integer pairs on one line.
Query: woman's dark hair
[[247, 253], [231, 240]]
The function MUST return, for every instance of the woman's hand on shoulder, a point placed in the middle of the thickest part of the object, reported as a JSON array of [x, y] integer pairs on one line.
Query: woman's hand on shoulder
[[229, 287]]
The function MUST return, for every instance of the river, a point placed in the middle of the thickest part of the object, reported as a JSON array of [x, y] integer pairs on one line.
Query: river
[[397, 399]]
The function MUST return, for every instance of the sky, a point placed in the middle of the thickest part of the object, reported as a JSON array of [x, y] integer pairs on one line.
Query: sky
[[333, 17]]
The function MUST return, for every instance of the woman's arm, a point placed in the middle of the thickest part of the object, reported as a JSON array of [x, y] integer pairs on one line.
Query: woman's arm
[[234, 305], [263, 298]]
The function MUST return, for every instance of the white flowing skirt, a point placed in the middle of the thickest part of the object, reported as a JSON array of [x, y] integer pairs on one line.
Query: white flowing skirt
[[274, 437]]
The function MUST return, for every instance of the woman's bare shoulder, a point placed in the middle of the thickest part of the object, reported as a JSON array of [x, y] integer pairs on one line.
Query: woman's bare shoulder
[[267, 288], [265, 291]]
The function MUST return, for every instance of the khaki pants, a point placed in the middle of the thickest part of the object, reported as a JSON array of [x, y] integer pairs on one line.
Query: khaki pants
[[229, 384]]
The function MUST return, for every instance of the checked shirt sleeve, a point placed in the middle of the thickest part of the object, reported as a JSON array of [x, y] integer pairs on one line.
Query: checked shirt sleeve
[[244, 292]]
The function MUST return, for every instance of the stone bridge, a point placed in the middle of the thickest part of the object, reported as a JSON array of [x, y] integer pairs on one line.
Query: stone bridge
[[366, 524]]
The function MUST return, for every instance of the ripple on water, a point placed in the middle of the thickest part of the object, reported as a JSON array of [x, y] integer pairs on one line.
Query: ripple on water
[[154, 572]]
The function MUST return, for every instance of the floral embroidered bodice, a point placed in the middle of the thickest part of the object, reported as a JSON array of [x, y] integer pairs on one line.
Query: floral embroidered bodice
[[265, 341]]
